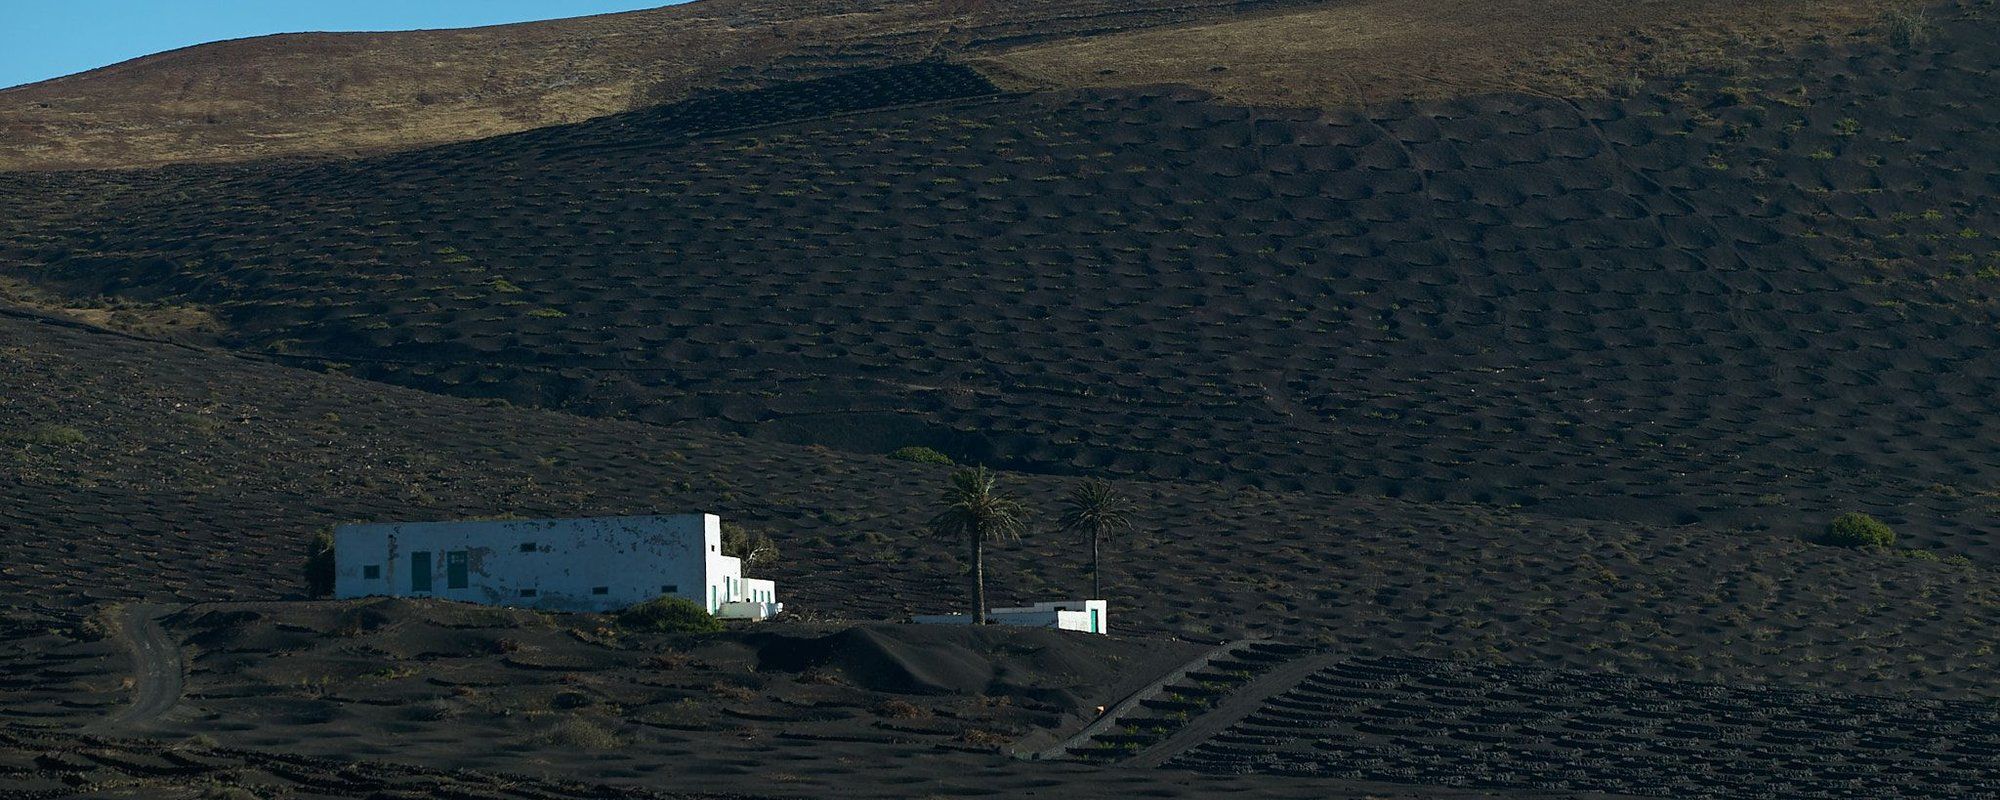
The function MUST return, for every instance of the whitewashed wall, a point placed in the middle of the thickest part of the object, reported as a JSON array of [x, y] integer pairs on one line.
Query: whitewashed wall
[[1087, 616], [565, 563]]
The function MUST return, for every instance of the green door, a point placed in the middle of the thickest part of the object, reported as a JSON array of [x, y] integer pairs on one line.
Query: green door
[[454, 569], [420, 571], [1093, 620]]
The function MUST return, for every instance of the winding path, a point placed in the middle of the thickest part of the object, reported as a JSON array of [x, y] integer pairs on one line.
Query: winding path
[[157, 669]]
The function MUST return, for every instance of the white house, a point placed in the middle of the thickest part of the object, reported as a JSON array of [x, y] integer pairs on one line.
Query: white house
[[1087, 616], [589, 564]]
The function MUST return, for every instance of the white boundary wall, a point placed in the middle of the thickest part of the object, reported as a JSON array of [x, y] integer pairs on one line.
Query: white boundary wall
[[1084, 616]]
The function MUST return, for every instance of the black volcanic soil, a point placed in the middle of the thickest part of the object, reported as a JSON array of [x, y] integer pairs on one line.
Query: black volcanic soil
[[403, 681], [40, 764], [174, 474], [1740, 300], [1509, 381], [426, 696], [1420, 721]]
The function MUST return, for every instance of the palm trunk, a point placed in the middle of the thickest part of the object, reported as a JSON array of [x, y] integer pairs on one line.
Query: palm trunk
[[978, 579], [1096, 578]]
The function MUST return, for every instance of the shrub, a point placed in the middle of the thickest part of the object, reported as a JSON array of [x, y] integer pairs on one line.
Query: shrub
[[1629, 86], [921, 455], [49, 435], [318, 565], [979, 738], [669, 615], [1907, 26], [755, 548], [582, 734], [899, 709], [1855, 529], [730, 691]]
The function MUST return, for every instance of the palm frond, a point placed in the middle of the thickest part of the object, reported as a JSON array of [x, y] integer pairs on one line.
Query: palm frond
[[1094, 507], [974, 506]]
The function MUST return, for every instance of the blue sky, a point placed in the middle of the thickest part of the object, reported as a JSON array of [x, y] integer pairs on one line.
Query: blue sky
[[41, 39]]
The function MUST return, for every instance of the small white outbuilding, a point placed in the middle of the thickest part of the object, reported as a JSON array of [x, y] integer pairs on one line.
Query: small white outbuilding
[[583, 564], [1086, 616]]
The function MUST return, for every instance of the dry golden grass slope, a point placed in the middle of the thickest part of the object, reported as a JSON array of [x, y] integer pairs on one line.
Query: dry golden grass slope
[[343, 93], [317, 94], [1340, 52], [337, 92]]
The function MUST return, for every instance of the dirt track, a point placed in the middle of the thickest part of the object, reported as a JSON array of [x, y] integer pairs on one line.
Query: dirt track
[[157, 668]]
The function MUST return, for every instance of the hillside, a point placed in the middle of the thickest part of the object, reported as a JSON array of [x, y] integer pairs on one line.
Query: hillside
[[320, 94], [1483, 376], [149, 471], [1714, 302], [213, 470], [1342, 53], [338, 93]]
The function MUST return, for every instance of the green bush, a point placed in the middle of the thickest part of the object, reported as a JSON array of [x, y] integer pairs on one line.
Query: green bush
[[921, 455], [54, 436], [1855, 529], [755, 548], [318, 565], [669, 615]]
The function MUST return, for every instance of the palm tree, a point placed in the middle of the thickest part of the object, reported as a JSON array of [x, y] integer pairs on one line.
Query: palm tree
[[975, 510], [1094, 508]]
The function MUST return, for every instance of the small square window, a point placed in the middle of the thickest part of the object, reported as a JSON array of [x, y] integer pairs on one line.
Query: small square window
[[372, 572], [527, 593], [527, 547], [600, 590], [669, 589]]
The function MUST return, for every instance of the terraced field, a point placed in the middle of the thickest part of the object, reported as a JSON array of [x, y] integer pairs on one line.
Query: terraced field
[[1501, 422], [1423, 721], [174, 474], [1737, 300], [48, 766]]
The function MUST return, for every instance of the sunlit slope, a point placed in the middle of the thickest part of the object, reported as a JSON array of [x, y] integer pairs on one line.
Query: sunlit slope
[[337, 94], [340, 93]]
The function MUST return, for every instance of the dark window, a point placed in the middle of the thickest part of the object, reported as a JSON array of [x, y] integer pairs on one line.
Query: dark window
[[372, 572], [669, 589], [454, 569], [527, 593], [600, 590], [527, 547]]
